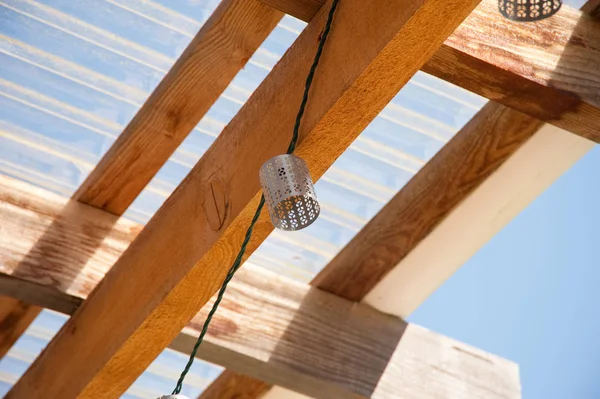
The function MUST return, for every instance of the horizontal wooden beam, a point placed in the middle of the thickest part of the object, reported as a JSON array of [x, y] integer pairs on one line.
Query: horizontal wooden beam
[[186, 249], [269, 327], [547, 70], [227, 386]]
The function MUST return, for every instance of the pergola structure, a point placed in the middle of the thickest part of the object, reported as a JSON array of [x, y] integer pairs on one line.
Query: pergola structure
[[343, 336]]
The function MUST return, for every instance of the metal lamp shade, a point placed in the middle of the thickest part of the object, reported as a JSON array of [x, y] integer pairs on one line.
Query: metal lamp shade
[[528, 10], [289, 192]]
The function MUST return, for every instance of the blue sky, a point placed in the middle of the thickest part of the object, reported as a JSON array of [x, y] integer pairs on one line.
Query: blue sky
[[531, 294]]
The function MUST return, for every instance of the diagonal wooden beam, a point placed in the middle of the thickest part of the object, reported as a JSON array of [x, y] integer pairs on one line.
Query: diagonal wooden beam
[[483, 145], [210, 62], [227, 386], [547, 70], [269, 326], [15, 317], [181, 257]]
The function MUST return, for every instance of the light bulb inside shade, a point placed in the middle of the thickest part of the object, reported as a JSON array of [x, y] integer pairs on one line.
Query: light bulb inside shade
[[528, 10], [289, 192]]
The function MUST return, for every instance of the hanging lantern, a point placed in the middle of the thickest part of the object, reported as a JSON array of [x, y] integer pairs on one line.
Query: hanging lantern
[[289, 192], [528, 10], [173, 397]]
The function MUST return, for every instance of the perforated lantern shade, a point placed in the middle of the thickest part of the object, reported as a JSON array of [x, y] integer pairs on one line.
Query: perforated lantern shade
[[528, 10], [289, 192]]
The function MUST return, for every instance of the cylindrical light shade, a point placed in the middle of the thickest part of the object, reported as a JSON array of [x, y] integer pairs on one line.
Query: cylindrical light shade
[[528, 10], [289, 192], [173, 397]]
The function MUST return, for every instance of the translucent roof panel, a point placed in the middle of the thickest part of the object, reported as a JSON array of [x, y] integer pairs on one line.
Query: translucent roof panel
[[73, 74]]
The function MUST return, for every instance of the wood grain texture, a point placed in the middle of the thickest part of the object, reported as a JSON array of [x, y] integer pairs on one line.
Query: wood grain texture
[[548, 70], [211, 61], [592, 8], [279, 330], [218, 52], [228, 384], [41, 231], [15, 317], [475, 152], [301, 9], [178, 261]]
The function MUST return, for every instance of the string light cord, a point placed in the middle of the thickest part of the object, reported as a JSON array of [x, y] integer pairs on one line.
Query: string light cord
[[238, 260]]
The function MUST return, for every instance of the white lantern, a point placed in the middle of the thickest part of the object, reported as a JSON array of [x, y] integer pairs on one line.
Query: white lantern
[[289, 192]]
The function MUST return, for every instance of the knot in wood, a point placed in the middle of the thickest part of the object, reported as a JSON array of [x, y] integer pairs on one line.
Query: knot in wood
[[215, 203]]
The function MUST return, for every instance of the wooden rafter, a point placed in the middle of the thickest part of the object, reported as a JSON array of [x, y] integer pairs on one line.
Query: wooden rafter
[[218, 52], [16, 316], [210, 62], [547, 70], [184, 251], [268, 326]]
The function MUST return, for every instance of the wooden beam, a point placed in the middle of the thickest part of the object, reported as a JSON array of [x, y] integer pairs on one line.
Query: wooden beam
[[592, 8], [185, 250], [15, 317], [227, 386], [539, 162], [301, 9], [547, 70], [270, 327], [453, 174], [219, 51], [489, 139]]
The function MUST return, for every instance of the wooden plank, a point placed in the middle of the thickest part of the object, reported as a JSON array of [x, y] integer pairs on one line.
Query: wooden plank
[[42, 231], [15, 317], [454, 173], [346, 96], [271, 327], [227, 386], [301, 9], [210, 62], [547, 70], [516, 183], [592, 8]]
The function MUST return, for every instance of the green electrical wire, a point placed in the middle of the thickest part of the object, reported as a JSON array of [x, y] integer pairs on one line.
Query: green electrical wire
[[238, 260]]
